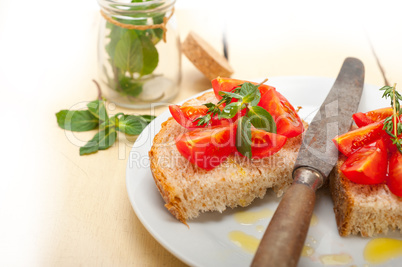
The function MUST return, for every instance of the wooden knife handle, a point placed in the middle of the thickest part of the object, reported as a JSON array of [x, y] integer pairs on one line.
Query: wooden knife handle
[[284, 238]]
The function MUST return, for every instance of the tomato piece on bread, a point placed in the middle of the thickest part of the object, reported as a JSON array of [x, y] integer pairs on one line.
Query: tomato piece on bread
[[228, 84], [264, 144], [368, 165], [207, 147], [187, 116], [353, 140], [394, 180], [288, 122], [361, 119]]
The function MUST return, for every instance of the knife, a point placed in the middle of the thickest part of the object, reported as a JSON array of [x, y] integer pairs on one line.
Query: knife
[[283, 240]]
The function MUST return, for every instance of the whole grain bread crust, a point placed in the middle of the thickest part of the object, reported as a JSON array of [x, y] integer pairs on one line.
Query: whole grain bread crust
[[367, 210]]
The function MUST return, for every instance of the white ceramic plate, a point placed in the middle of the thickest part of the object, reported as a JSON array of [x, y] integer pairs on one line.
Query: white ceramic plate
[[206, 242]]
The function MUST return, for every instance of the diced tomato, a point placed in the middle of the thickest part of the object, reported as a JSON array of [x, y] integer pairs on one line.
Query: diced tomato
[[362, 119], [367, 165], [288, 122], [388, 143], [264, 144], [379, 114], [225, 84], [351, 141], [186, 116], [228, 84], [394, 180], [208, 147]]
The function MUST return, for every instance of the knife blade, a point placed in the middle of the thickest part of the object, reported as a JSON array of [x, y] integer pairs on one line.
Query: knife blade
[[284, 238]]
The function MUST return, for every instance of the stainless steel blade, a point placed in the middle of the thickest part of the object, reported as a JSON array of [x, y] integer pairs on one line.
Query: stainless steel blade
[[333, 118]]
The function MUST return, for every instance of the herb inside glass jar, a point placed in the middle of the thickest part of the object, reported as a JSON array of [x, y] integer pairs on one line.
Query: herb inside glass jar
[[136, 58]]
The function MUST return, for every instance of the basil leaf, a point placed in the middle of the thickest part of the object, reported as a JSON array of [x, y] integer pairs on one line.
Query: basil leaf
[[256, 99], [98, 109], [148, 118], [77, 120], [247, 88], [128, 54], [90, 147], [150, 56], [130, 87], [251, 93], [243, 136], [115, 35], [136, 54], [156, 34], [261, 119], [230, 110], [102, 140], [132, 125]]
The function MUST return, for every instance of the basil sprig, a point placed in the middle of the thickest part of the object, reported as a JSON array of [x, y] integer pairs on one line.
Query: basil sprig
[[248, 97], [96, 117]]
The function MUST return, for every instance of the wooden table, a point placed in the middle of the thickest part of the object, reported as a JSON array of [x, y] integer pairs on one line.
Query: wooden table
[[61, 209]]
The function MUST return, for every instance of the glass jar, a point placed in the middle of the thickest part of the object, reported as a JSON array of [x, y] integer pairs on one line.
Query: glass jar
[[139, 58]]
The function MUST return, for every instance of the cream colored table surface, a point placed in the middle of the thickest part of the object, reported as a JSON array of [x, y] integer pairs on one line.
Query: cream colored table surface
[[61, 209]]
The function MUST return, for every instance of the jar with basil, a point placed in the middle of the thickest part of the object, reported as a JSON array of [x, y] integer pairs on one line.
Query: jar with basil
[[139, 52]]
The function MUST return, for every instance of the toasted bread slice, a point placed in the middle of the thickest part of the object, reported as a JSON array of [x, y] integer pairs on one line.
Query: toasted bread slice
[[189, 190], [363, 209]]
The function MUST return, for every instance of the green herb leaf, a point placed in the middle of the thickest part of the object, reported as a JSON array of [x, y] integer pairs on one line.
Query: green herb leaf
[[250, 93], [102, 140], [148, 118], [247, 88], [150, 56], [230, 94], [395, 131], [230, 110], [243, 136], [261, 119], [96, 117], [156, 34], [256, 99], [136, 54], [204, 119], [77, 120], [98, 109], [128, 55], [213, 110], [116, 33], [130, 86], [132, 125]]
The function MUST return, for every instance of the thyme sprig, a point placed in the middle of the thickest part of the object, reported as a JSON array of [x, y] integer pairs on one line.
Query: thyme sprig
[[393, 124]]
